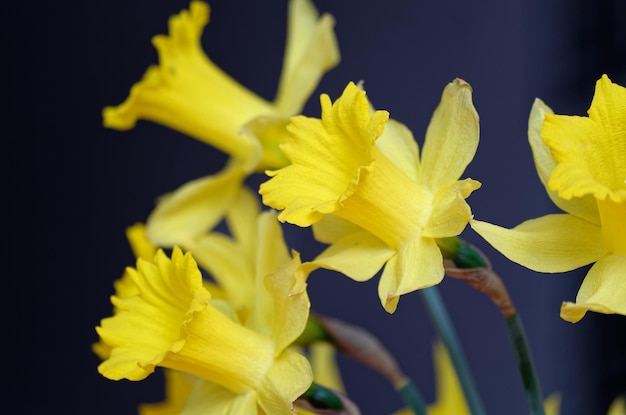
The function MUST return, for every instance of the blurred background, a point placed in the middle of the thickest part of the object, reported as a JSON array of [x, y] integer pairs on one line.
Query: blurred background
[[75, 186]]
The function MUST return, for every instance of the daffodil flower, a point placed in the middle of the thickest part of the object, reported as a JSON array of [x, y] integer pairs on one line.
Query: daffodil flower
[[172, 322], [359, 178], [582, 163], [189, 93]]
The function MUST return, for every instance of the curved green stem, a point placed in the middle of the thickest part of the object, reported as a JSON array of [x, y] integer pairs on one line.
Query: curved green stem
[[525, 365], [443, 323], [412, 398]]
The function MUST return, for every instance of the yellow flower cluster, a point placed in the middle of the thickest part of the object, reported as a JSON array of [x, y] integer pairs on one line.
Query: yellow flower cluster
[[231, 340], [221, 313]]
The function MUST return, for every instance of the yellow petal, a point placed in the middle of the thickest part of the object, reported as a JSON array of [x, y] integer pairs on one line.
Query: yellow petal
[[603, 290], [332, 228], [255, 247], [450, 397], [189, 93], [618, 407], [324, 364], [278, 312], [288, 378], [552, 404], [139, 242], [590, 152], [101, 349], [242, 218], [584, 207], [178, 386], [228, 266], [210, 398], [272, 252], [398, 144], [311, 50], [358, 255], [125, 287], [450, 212], [551, 243], [417, 265], [194, 208], [451, 137], [613, 219], [327, 156]]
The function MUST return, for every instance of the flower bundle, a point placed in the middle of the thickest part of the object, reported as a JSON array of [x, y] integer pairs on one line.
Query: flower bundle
[[224, 310]]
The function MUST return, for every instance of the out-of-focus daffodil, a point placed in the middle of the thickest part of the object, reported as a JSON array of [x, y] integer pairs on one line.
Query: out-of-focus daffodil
[[139, 242], [324, 363], [450, 398], [582, 163], [449, 394], [178, 387], [189, 93], [618, 407], [173, 322], [552, 404], [358, 177]]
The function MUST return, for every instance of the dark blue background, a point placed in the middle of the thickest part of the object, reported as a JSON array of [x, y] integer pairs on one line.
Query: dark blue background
[[73, 186]]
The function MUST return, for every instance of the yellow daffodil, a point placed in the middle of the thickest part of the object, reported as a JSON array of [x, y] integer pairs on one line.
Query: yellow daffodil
[[359, 178], [582, 163], [173, 322], [189, 93]]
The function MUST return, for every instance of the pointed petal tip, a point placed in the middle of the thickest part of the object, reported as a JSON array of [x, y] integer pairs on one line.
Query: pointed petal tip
[[572, 313], [391, 303], [461, 83]]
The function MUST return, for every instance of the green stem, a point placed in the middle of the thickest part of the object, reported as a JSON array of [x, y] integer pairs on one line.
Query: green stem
[[525, 365], [443, 323], [412, 398]]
